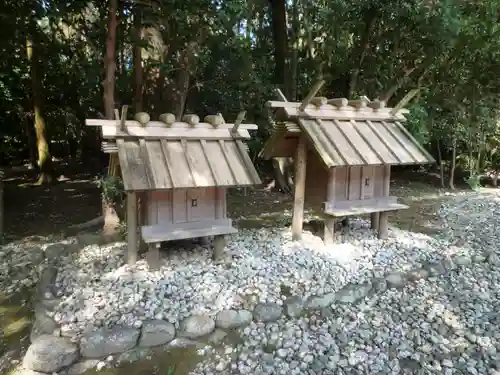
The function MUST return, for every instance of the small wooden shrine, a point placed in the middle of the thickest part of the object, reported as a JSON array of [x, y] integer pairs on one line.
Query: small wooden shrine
[[180, 170], [343, 151]]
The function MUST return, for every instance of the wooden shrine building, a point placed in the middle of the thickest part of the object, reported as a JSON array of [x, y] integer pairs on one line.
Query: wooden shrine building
[[180, 170], [343, 151]]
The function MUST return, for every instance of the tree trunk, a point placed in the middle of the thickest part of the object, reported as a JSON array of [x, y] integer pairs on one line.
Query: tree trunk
[[44, 158], [453, 164], [31, 140], [278, 14], [294, 60], [281, 169], [183, 83], [441, 164], [494, 178], [137, 62], [111, 219], [110, 62], [398, 83]]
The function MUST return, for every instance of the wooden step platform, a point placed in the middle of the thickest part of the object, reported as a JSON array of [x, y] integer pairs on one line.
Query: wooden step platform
[[363, 206], [160, 233]]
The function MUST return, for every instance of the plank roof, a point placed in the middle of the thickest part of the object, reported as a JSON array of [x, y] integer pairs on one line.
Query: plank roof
[[171, 164], [156, 155], [345, 135]]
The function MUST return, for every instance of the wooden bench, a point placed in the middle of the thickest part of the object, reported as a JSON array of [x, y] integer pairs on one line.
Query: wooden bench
[[154, 235], [379, 209]]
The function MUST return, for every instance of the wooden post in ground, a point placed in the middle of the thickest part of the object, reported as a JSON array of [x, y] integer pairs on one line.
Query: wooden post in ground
[[219, 245], [132, 227], [329, 231], [374, 220], [142, 210], [153, 256], [383, 228], [300, 186]]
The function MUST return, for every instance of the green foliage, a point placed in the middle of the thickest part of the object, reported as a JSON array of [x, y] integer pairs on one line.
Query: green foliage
[[474, 181], [112, 190], [448, 49], [418, 123]]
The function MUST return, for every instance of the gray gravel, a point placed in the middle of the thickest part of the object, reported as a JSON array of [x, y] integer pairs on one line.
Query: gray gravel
[[443, 321], [436, 313]]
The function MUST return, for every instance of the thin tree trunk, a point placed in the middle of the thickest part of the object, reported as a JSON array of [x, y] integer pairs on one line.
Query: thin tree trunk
[[137, 62], [280, 169], [183, 78], [396, 86], [111, 219], [294, 61], [31, 140], [110, 62], [453, 165], [44, 158], [278, 14], [441, 164]]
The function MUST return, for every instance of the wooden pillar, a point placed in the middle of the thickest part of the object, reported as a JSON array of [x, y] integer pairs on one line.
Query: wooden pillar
[[219, 243], [132, 227], [220, 203], [153, 256], [300, 187], [374, 220], [383, 227], [329, 231], [142, 207], [220, 255]]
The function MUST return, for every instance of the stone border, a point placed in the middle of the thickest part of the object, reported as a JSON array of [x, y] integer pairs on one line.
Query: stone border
[[53, 350]]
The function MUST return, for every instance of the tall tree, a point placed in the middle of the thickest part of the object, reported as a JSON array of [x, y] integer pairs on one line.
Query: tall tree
[[110, 61], [44, 157], [278, 16], [111, 219]]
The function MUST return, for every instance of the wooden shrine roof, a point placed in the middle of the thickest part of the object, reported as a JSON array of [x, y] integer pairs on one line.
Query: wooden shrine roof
[[345, 133], [169, 164], [160, 155]]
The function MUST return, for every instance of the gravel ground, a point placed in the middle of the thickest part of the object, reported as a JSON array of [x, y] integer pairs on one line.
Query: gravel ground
[[443, 324], [98, 289], [446, 324]]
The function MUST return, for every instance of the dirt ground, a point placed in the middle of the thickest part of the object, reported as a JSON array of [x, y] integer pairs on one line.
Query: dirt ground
[[47, 210]]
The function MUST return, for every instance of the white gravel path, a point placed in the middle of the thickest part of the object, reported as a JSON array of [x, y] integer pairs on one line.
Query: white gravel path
[[98, 289], [443, 324], [446, 324]]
